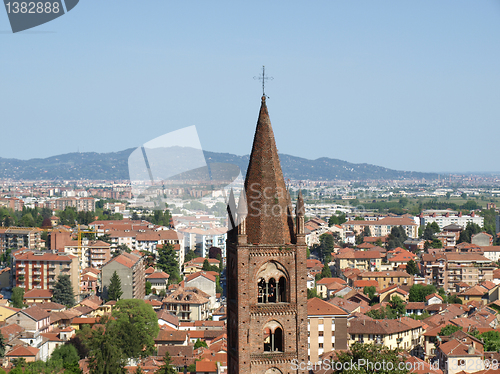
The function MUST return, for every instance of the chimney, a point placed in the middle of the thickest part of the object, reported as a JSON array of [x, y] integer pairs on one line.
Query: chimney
[[470, 350]]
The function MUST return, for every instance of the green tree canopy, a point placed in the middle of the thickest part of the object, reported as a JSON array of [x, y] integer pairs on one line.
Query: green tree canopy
[[418, 292], [115, 287], [63, 291], [412, 268], [449, 329], [167, 262], [105, 355], [17, 297], [372, 353], [136, 327], [326, 247], [167, 367], [200, 343]]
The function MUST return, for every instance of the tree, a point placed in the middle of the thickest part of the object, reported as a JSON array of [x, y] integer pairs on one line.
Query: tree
[[189, 255], [470, 230], [105, 356], [412, 268], [63, 291], [449, 329], [200, 343], [17, 297], [370, 291], [167, 367], [68, 356], [148, 287], [396, 237], [115, 288], [218, 287], [326, 272], [214, 252], [167, 261], [491, 341], [136, 327], [206, 265], [326, 246], [2, 346], [369, 353], [418, 292], [311, 292], [398, 306]]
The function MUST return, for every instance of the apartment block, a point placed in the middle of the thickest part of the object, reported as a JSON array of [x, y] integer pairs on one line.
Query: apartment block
[[40, 269], [130, 269], [326, 328], [17, 238], [81, 204], [448, 217], [447, 269], [383, 226]]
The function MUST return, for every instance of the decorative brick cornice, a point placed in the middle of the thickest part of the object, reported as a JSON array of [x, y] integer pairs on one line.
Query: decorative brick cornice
[[273, 309], [273, 252], [272, 358]]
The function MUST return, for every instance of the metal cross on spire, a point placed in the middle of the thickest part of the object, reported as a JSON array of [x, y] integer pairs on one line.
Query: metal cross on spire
[[263, 77]]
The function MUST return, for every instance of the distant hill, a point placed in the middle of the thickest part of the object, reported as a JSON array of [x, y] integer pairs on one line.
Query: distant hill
[[114, 166]]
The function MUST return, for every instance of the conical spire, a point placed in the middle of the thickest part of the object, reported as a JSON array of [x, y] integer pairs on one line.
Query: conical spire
[[300, 210], [267, 221]]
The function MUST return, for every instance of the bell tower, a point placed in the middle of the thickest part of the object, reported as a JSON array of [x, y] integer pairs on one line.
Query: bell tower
[[266, 267]]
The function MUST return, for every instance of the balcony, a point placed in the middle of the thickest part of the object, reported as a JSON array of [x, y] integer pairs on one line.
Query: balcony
[[52, 265], [37, 272], [21, 272], [21, 265], [37, 265]]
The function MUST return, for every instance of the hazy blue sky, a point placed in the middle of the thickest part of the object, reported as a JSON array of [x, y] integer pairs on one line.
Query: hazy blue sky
[[411, 85]]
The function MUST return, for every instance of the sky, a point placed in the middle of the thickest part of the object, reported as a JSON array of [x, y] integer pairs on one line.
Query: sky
[[408, 85]]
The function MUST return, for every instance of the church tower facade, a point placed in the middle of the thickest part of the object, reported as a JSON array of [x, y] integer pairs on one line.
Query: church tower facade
[[266, 267]]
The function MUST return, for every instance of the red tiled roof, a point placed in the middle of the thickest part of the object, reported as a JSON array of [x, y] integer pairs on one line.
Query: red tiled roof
[[38, 294], [20, 351], [318, 307]]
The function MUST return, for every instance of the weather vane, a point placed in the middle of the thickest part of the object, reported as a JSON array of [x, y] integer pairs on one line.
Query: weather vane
[[263, 77]]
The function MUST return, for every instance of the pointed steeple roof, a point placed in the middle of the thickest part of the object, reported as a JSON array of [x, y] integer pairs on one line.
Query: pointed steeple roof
[[269, 218]]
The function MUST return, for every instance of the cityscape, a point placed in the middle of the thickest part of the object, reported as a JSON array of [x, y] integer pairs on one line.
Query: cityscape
[[249, 188]]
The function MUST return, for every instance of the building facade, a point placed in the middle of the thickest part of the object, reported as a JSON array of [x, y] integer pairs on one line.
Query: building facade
[[130, 270]]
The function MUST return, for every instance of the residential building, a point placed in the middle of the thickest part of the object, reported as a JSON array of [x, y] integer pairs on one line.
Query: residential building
[[12, 203], [404, 333], [188, 304], [383, 226], [326, 328], [130, 270], [448, 217], [40, 269], [386, 278], [17, 238], [81, 204], [159, 281], [31, 319], [201, 240], [355, 259], [204, 281], [447, 269]]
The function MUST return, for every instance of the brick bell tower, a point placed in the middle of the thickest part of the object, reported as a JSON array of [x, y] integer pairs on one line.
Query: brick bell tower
[[266, 267]]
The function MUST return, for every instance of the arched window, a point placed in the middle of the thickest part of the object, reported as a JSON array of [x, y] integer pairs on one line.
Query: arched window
[[282, 290], [272, 291], [262, 291], [273, 337], [272, 284]]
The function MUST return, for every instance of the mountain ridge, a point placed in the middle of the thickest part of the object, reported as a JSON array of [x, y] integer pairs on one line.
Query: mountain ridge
[[114, 166]]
